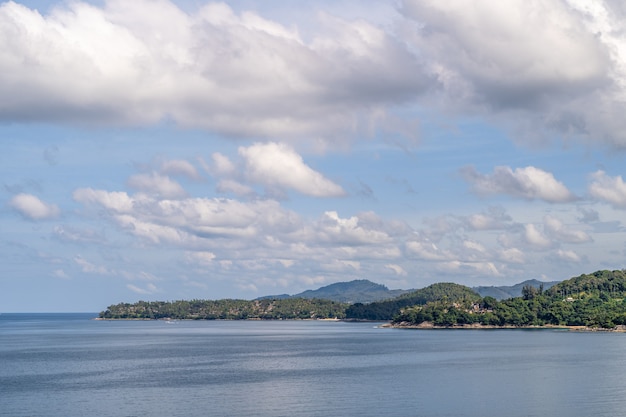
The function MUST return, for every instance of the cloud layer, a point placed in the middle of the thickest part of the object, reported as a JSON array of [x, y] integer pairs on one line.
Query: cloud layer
[[241, 74]]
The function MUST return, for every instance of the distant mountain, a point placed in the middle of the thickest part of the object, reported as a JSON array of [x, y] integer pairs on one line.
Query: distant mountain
[[504, 292], [357, 291], [365, 291]]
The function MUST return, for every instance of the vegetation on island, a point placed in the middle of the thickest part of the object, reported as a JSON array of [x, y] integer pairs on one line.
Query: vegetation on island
[[228, 309], [387, 310], [596, 300]]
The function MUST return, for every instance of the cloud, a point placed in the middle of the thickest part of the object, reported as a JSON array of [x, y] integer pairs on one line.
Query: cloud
[[148, 289], [529, 183], [543, 70], [222, 165], [427, 251], [609, 189], [350, 231], [31, 207], [156, 184], [588, 215], [512, 255], [557, 230], [201, 258], [75, 235], [115, 201], [536, 238], [469, 268], [502, 61], [495, 218], [278, 165], [59, 273], [568, 256], [397, 269], [236, 74], [90, 268], [179, 167], [189, 221], [231, 186], [540, 69]]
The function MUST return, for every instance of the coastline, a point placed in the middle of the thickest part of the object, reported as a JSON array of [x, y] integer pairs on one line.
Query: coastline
[[477, 326]]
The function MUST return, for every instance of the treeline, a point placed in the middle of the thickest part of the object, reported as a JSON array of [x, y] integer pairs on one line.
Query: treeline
[[591, 300], [228, 309], [387, 310]]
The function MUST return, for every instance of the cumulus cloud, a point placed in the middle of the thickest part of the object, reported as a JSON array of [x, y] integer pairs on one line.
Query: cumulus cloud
[[116, 201], [31, 207], [427, 251], [529, 183], [504, 62], [350, 231], [535, 238], [278, 165], [543, 69], [237, 74], [609, 189], [495, 218], [555, 228]]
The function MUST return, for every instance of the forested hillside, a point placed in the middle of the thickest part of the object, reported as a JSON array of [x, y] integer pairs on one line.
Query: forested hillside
[[590, 300], [386, 310]]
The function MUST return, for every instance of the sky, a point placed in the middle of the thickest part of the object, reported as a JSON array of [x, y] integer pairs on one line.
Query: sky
[[168, 150]]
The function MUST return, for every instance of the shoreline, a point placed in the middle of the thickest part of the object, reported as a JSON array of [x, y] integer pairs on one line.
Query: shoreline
[[477, 326]]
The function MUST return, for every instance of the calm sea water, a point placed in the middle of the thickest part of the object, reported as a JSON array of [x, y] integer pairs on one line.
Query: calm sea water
[[65, 365]]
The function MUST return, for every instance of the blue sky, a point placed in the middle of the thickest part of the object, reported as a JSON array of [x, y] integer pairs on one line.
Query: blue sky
[[164, 150]]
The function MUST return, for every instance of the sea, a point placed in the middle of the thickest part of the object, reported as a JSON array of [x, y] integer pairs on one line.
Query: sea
[[66, 365]]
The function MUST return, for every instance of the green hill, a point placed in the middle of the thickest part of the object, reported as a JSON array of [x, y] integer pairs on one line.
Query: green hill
[[357, 291], [386, 310], [596, 300]]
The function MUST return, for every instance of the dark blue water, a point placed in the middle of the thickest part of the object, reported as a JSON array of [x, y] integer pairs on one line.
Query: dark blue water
[[68, 365]]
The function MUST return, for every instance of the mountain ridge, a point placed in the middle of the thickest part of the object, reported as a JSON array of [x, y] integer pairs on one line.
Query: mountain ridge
[[365, 291]]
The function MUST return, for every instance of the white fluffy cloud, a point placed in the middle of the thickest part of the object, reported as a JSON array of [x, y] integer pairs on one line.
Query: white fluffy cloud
[[543, 68], [609, 189], [237, 74], [529, 183], [535, 238], [278, 165], [559, 231], [33, 208]]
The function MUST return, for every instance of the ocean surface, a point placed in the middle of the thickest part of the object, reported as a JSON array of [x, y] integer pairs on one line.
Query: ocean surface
[[66, 365]]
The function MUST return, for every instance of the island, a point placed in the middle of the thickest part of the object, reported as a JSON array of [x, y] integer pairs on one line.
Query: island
[[595, 301]]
